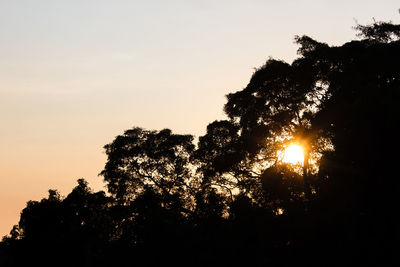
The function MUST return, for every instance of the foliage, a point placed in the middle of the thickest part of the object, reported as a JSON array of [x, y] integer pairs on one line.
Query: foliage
[[139, 159], [230, 200]]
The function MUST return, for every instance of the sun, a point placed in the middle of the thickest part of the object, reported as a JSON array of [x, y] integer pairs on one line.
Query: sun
[[293, 154]]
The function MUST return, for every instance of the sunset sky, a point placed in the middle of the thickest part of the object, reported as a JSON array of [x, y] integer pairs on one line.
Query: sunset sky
[[74, 74]]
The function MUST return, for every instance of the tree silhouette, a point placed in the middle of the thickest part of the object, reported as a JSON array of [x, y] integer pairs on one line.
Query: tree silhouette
[[78, 226], [231, 200], [140, 158]]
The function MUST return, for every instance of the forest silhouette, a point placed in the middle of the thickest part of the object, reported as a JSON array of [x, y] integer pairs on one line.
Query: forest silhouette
[[229, 200]]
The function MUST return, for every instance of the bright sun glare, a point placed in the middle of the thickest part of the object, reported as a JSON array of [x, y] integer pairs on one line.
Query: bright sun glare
[[293, 154]]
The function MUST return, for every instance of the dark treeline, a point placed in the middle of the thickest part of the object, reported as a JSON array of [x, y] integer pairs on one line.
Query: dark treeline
[[230, 200]]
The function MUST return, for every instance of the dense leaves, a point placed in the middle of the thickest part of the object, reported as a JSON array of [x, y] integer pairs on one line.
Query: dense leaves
[[231, 200], [141, 159]]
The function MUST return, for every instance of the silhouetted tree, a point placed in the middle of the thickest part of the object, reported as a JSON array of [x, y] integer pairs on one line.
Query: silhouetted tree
[[140, 158], [231, 200], [78, 226]]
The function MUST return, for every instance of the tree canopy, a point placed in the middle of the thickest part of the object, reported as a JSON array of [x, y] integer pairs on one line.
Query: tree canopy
[[230, 199]]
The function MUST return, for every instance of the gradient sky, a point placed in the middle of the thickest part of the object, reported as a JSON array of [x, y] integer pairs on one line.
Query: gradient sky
[[74, 74]]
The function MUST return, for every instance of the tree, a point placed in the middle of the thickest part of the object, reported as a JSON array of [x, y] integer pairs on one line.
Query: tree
[[139, 159], [79, 226], [232, 200]]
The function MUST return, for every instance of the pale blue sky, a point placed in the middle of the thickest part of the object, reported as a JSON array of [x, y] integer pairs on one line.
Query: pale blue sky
[[74, 74]]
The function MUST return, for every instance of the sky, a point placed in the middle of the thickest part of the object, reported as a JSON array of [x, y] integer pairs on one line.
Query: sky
[[76, 73]]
